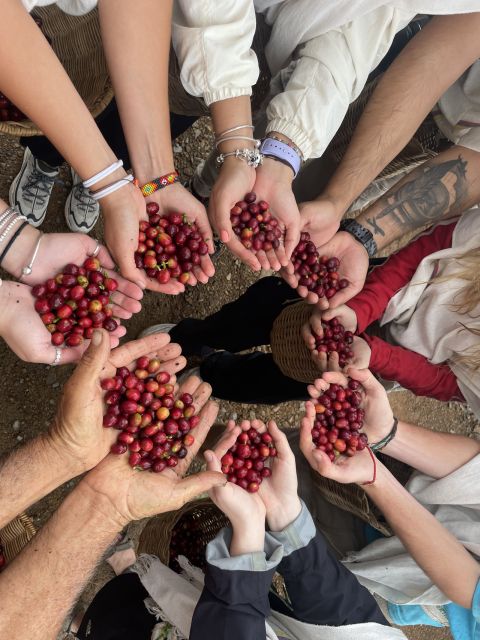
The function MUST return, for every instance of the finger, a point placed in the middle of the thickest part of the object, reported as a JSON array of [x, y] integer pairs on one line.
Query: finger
[[312, 298], [172, 288], [207, 266], [259, 425], [131, 351], [343, 296], [213, 463], [307, 335], [335, 377], [317, 388], [207, 417], [302, 291], [128, 270], [205, 230], [289, 278], [305, 441], [316, 323], [245, 255], [263, 260], [366, 379], [226, 442], [324, 465], [200, 274], [192, 280], [119, 332], [280, 440], [322, 303], [273, 260], [192, 486], [320, 359], [333, 362], [103, 256], [93, 360], [129, 289], [292, 237], [282, 258]]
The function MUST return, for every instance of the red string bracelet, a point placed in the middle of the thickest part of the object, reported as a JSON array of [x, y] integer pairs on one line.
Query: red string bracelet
[[374, 460]]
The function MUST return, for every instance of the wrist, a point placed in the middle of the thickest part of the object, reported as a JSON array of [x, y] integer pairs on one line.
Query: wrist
[[282, 515], [381, 482], [276, 171], [248, 537], [58, 450], [100, 507], [21, 251]]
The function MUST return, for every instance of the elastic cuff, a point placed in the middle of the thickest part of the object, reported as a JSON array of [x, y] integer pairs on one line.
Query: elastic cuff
[[226, 94], [218, 555], [296, 536], [297, 135]]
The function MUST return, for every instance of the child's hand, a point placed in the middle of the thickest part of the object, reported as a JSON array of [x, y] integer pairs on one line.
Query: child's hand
[[359, 468], [361, 354], [345, 315], [312, 328]]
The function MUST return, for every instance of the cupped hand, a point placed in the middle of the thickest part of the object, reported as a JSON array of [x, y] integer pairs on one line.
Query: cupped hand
[[345, 315], [359, 468], [238, 505], [138, 494], [274, 184], [175, 198], [235, 180], [78, 430]]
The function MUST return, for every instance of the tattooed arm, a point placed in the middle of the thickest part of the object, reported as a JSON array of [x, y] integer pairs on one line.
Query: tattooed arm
[[441, 188]]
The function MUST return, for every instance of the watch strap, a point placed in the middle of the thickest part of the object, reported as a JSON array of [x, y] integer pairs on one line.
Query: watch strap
[[364, 236]]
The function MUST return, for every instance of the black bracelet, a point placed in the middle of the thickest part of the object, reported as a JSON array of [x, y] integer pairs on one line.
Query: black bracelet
[[388, 438], [364, 236], [12, 240]]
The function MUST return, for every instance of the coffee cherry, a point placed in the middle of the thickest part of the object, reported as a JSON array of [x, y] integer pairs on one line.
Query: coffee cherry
[[254, 224], [335, 339], [244, 463]]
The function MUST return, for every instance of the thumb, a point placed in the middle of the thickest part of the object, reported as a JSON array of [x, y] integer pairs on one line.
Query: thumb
[[213, 463], [190, 487], [95, 357], [365, 377]]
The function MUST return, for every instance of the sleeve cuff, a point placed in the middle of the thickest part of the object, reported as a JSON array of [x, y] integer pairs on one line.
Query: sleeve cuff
[[297, 135], [218, 555], [225, 94], [296, 536]]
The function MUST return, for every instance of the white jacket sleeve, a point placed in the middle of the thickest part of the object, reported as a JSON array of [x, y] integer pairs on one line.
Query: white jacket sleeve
[[212, 41], [328, 74]]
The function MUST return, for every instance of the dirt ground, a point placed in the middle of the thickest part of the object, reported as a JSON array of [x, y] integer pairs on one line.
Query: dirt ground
[[30, 392]]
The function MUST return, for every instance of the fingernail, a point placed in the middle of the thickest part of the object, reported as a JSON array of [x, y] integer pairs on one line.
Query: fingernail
[[97, 338], [208, 456]]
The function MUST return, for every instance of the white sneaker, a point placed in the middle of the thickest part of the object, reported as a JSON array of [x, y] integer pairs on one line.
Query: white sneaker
[[81, 210], [31, 189], [156, 328]]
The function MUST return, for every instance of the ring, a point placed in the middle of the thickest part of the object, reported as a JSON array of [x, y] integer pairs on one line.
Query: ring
[[94, 253], [58, 356]]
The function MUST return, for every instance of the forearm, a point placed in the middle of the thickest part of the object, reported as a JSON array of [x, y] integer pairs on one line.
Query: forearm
[[30, 473], [441, 188], [58, 563], [433, 60], [44, 92], [450, 567], [229, 113], [434, 453], [137, 55]]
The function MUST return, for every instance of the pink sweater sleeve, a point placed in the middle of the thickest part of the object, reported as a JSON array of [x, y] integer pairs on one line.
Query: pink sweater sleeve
[[384, 281], [412, 370]]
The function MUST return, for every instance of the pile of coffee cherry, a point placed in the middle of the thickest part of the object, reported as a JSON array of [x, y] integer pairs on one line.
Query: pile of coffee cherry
[[318, 274], [253, 223], [335, 339], [169, 246], [76, 302], [154, 426], [338, 421], [244, 463]]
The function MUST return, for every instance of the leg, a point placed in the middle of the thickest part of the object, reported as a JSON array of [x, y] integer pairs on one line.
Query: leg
[[241, 324], [252, 378], [118, 612]]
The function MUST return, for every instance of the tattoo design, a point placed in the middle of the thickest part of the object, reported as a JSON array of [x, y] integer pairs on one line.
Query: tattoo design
[[428, 197]]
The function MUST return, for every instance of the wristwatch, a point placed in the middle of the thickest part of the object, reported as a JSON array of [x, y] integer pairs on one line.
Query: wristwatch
[[364, 236]]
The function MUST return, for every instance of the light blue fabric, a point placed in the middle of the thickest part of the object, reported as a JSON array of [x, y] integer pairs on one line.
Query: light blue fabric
[[464, 623]]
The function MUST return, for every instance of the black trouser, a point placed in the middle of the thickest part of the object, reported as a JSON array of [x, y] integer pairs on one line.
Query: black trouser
[[240, 325], [111, 128], [234, 604]]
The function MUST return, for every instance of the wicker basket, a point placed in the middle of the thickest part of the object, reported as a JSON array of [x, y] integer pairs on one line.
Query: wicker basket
[[205, 521], [15, 535], [77, 42], [352, 498], [289, 351]]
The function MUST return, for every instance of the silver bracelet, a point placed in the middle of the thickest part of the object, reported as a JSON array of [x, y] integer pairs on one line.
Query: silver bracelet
[[10, 226], [252, 157], [8, 212], [227, 138], [240, 126], [26, 271], [7, 219]]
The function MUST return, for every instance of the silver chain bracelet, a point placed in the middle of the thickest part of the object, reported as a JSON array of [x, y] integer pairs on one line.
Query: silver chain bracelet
[[252, 157]]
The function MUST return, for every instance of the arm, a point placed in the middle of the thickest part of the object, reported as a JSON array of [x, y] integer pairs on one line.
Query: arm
[[412, 370], [384, 281], [433, 60], [455, 572]]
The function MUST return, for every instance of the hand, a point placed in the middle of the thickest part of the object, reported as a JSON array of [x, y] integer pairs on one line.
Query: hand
[[378, 418], [78, 431], [321, 219], [274, 184], [137, 494], [361, 354], [345, 316], [235, 180], [23, 330], [359, 468], [176, 198]]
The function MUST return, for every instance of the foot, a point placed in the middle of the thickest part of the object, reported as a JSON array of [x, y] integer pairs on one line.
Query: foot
[[31, 189], [81, 210]]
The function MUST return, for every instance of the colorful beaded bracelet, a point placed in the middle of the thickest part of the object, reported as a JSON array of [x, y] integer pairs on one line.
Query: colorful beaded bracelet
[[159, 183]]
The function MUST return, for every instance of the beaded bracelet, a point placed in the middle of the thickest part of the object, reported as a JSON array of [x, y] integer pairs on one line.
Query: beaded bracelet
[[388, 438], [374, 460], [159, 183], [12, 240]]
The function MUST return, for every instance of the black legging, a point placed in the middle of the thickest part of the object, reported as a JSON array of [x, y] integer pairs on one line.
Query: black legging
[[240, 325]]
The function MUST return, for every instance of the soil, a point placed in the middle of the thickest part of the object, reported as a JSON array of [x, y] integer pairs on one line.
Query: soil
[[30, 392]]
